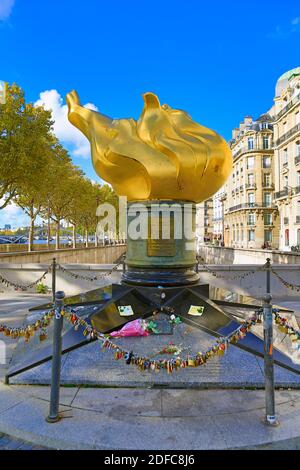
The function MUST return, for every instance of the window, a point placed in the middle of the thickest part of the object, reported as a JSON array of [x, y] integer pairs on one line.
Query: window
[[267, 199], [298, 179], [268, 236], [250, 143], [287, 237], [298, 148], [285, 156], [251, 235], [251, 199], [285, 127], [266, 159], [250, 163], [286, 181], [267, 180], [265, 142], [251, 179], [297, 118], [251, 219], [268, 219]]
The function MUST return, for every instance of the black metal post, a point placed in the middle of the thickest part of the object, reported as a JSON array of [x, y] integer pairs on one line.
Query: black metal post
[[270, 418], [268, 276], [56, 359], [53, 279]]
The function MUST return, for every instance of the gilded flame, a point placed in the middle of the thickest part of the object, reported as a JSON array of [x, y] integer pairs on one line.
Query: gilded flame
[[163, 155]]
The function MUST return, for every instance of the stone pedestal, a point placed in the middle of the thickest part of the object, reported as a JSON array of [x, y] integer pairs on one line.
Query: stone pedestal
[[161, 244]]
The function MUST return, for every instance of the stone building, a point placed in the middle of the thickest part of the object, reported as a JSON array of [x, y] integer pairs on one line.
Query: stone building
[[250, 215], [204, 221], [286, 112]]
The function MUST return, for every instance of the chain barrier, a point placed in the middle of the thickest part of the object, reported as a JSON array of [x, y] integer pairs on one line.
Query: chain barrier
[[287, 284], [28, 331], [229, 278], [283, 325], [23, 287], [147, 363], [87, 278]]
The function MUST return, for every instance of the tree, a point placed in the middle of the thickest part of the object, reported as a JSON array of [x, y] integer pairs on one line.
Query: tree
[[62, 181], [31, 189], [22, 129]]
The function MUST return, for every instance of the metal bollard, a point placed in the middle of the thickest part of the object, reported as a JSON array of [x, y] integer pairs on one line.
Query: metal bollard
[[270, 418], [56, 359], [53, 279]]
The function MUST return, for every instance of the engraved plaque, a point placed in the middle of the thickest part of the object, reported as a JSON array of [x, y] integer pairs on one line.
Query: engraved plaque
[[161, 246]]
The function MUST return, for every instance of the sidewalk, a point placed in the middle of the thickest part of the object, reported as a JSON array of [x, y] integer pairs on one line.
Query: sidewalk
[[150, 419]]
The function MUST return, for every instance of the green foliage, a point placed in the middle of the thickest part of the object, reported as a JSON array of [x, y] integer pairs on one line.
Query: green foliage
[[37, 173], [42, 289]]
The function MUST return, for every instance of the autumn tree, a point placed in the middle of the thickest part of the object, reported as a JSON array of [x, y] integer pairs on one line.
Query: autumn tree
[[22, 130]]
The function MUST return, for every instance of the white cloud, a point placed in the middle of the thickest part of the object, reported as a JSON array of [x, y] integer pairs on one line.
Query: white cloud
[[282, 32], [13, 215], [63, 129], [6, 7]]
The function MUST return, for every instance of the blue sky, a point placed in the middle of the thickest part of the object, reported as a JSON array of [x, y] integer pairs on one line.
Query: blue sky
[[217, 60]]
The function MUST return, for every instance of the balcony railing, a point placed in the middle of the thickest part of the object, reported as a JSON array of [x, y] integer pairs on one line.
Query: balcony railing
[[296, 190], [287, 107], [266, 184], [287, 192], [283, 193], [256, 148], [288, 134], [251, 185], [252, 205]]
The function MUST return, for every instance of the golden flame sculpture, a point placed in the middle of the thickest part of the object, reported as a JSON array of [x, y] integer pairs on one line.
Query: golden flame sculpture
[[163, 155]]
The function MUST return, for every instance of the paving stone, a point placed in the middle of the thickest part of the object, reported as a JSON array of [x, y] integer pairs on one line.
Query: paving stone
[[119, 402]]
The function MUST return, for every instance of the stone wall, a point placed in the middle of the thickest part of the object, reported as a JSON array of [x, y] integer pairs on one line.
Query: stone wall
[[254, 283], [222, 255], [92, 255]]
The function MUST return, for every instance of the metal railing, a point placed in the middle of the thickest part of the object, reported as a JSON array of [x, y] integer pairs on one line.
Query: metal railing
[[288, 134], [287, 107], [251, 185], [283, 193], [296, 190], [265, 184], [252, 205], [255, 148]]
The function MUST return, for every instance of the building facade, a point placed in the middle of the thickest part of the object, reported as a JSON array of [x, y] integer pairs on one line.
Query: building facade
[[250, 215], [218, 216], [204, 221], [286, 112]]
